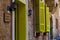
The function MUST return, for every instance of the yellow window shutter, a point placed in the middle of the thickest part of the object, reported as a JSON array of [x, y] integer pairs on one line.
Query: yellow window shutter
[[47, 20], [37, 15], [42, 17]]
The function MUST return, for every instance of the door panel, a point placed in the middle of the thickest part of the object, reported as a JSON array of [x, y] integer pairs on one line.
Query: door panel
[[21, 21]]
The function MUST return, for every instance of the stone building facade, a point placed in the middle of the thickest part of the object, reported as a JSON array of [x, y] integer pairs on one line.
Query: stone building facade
[[5, 21]]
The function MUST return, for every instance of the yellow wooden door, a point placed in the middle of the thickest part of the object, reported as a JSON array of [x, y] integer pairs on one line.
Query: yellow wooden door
[[21, 21]]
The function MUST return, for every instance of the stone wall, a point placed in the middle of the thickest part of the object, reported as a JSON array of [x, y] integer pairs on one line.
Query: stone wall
[[30, 21], [5, 24]]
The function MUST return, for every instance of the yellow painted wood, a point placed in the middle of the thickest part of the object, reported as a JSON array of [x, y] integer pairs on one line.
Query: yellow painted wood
[[21, 21], [47, 20], [23, 1], [41, 4], [37, 14], [42, 19], [40, 16]]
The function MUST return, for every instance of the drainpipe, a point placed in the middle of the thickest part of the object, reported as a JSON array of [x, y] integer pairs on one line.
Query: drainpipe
[[13, 23], [26, 19]]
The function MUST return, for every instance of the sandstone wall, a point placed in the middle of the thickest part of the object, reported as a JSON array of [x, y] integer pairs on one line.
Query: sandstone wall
[[5, 24]]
